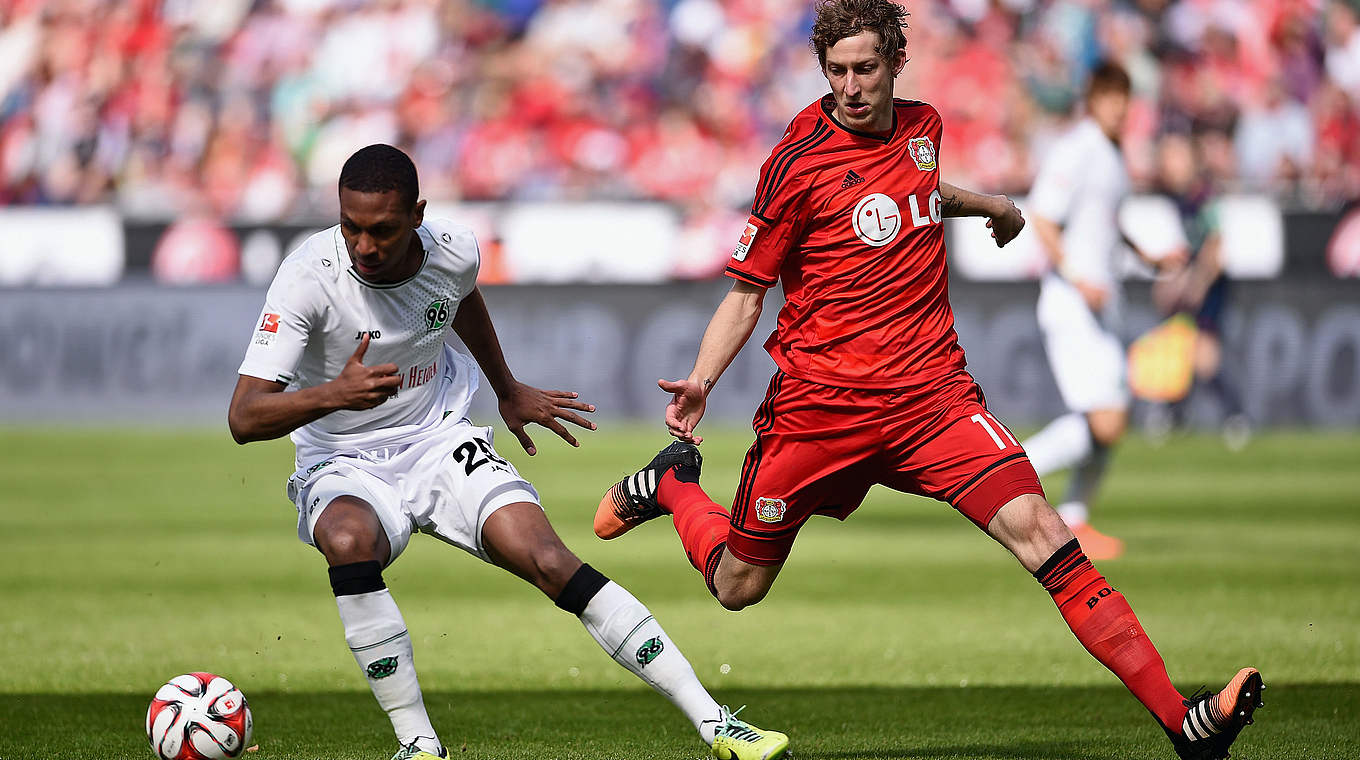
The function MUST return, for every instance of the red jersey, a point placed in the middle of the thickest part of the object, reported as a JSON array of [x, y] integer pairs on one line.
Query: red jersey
[[851, 223]]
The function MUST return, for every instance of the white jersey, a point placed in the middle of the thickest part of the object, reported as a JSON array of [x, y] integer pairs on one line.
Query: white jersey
[[1081, 185], [318, 309]]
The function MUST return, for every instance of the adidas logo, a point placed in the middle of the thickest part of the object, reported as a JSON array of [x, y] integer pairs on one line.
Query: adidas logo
[[851, 179]]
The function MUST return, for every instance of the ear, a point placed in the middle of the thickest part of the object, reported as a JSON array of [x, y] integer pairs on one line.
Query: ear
[[899, 62], [418, 214]]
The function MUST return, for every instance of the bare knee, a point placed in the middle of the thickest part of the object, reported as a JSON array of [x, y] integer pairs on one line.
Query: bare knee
[[551, 565], [1107, 425], [736, 597], [1030, 529], [739, 585], [519, 538], [349, 531]]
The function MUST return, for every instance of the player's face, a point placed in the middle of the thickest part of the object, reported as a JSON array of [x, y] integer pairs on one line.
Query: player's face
[[379, 232], [862, 82], [1109, 108]]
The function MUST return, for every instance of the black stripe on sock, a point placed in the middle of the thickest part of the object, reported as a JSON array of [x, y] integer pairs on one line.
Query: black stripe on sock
[[1068, 550], [585, 583], [711, 568], [357, 578]]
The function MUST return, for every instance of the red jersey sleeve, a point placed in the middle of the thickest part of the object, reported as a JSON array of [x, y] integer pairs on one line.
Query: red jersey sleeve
[[775, 226]]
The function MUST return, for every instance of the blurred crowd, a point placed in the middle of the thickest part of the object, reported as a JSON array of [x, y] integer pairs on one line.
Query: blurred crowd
[[245, 109]]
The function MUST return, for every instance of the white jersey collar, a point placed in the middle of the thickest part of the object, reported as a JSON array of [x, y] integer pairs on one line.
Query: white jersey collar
[[426, 242]]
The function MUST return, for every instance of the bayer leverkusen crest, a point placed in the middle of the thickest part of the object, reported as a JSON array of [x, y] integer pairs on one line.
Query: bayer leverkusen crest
[[770, 510], [923, 153]]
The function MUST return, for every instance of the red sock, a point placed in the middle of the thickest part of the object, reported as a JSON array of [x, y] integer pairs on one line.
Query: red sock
[[1105, 624], [701, 523]]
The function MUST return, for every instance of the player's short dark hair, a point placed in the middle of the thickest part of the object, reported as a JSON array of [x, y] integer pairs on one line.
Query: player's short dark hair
[[380, 168], [838, 19], [1108, 76]]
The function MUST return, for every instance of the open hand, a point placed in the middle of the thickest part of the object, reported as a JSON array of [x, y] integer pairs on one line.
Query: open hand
[[685, 409], [361, 387], [525, 404], [1006, 222]]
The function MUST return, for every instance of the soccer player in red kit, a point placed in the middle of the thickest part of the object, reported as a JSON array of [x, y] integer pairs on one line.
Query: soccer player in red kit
[[871, 385]]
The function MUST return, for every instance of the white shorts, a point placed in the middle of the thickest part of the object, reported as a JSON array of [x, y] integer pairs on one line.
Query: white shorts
[[445, 485], [1087, 358]]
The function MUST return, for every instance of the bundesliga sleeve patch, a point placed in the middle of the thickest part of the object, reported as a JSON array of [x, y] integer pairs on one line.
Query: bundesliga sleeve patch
[[266, 330], [748, 236]]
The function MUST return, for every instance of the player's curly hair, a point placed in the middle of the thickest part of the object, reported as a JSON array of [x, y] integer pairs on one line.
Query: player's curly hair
[[838, 19], [379, 168]]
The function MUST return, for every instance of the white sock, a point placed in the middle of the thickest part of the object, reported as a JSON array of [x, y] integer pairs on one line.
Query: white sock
[[627, 632], [1074, 513], [376, 633], [1066, 441]]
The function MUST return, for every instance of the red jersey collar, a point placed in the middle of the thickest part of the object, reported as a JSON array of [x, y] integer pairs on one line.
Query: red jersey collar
[[828, 103]]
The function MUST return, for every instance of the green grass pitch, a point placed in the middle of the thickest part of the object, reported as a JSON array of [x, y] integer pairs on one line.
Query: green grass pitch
[[130, 557]]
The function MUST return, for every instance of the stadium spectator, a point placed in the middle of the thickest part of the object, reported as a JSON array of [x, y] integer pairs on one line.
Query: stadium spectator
[[1343, 46], [244, 109], [1199, 290], [1274, 139]]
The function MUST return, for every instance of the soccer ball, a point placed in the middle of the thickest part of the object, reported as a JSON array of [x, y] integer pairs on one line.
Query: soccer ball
[[198, 716]]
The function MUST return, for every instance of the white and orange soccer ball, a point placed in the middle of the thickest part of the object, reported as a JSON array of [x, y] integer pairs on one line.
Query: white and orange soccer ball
[[198, 716]]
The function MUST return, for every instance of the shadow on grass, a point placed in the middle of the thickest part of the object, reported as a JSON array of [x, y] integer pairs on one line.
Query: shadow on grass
[[888, 723]]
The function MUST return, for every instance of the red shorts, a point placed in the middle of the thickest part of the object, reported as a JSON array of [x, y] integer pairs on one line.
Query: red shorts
[[819, 448]]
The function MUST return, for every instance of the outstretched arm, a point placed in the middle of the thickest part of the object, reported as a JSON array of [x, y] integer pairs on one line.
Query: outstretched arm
[[1002, 214], [1208, 265], [261, 410], [728, 330], [1050, 238], [520, 404], [1170, 262], [1184, 283]]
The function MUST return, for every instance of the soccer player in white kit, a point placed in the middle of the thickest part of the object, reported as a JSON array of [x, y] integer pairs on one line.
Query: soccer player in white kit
[[349, 357], [1074, 207]]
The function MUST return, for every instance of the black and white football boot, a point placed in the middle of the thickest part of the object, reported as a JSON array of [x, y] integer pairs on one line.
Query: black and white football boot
[[633, 500]]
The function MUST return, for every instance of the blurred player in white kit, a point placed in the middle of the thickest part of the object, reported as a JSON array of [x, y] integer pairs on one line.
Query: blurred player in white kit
[[1074, 207]]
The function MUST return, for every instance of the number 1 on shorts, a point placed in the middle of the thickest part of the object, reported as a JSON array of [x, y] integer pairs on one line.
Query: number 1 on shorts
[[1000, 444]]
